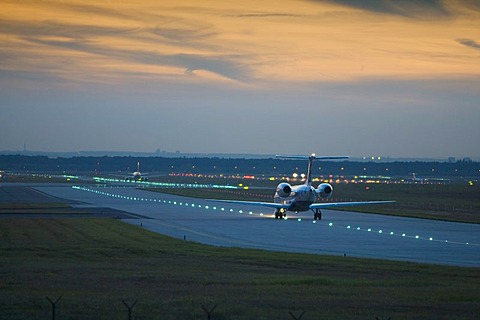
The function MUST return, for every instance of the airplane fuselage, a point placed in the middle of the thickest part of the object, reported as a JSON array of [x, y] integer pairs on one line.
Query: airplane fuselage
[[300, 199]]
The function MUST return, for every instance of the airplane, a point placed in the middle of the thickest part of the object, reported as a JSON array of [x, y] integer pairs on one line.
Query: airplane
[[136, 175], [302, 197], [416, 179]]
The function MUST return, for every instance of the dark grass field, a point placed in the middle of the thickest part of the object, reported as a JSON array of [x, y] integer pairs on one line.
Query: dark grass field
[[94, 264]]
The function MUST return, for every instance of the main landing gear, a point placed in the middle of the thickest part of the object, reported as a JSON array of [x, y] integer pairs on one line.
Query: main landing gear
[[317, 214], [280, 213]]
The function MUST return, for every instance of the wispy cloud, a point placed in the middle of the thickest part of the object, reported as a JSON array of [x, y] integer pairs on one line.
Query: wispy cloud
[[469, 43], [97, 40], [407, 8], [267, 15]]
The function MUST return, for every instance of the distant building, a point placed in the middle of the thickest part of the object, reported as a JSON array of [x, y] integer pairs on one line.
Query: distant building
[[451, 159], [467, 159]]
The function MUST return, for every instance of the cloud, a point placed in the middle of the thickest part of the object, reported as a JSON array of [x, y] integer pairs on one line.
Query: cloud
[[223, 65], [407, 8], [83, 8], [469, 43], [53, 28], [84, 39], [266, 15]]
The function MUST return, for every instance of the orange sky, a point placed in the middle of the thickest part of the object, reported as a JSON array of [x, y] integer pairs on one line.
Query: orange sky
[[250, 42]]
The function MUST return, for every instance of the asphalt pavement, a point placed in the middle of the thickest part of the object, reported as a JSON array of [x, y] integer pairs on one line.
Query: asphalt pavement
[[338, 233]]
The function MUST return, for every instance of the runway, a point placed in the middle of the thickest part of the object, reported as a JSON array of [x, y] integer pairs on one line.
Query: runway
[[338, 233]]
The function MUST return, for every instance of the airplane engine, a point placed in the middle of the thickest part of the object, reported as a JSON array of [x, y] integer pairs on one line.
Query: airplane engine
[[284, 189], [325, 190]]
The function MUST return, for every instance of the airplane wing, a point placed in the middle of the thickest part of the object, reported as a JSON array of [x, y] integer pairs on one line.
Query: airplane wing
[[312, 206], [346, 204], [254, 203]]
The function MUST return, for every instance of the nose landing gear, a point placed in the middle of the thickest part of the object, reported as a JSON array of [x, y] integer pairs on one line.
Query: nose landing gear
[[317, 214]]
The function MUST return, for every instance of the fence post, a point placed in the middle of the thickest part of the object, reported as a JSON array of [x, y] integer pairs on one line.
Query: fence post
[[130, 308], [295, 317], [208, 312], [54, 304]]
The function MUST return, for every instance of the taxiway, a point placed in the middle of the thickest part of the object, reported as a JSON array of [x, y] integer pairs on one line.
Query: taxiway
[[339, 233]]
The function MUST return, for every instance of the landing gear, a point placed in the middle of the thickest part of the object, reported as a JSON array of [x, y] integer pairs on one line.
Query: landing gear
[[317, 214], [280, 214]]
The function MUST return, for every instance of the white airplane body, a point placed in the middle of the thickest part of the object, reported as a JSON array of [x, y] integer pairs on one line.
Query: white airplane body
[[136, 175], [302, 197]]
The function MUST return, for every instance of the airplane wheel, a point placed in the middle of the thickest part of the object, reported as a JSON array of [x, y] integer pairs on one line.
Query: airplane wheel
[[279, 215]]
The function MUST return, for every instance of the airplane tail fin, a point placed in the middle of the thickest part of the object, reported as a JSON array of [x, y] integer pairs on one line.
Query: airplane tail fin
[[310, 159]]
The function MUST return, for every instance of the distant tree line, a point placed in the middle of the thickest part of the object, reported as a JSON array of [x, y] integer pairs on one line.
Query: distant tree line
[[165, 165]]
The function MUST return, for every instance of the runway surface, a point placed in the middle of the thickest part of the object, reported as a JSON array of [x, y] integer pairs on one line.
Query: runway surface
[[338, 233]]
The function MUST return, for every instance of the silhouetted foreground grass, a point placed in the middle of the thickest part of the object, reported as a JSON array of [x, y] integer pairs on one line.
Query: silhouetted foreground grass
[[94, 264]]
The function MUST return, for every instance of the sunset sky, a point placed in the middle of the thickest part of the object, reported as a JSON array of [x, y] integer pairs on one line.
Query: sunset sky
[[388, 78]]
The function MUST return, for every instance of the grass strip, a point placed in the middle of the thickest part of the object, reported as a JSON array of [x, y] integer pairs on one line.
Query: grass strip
[[94, 264]]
